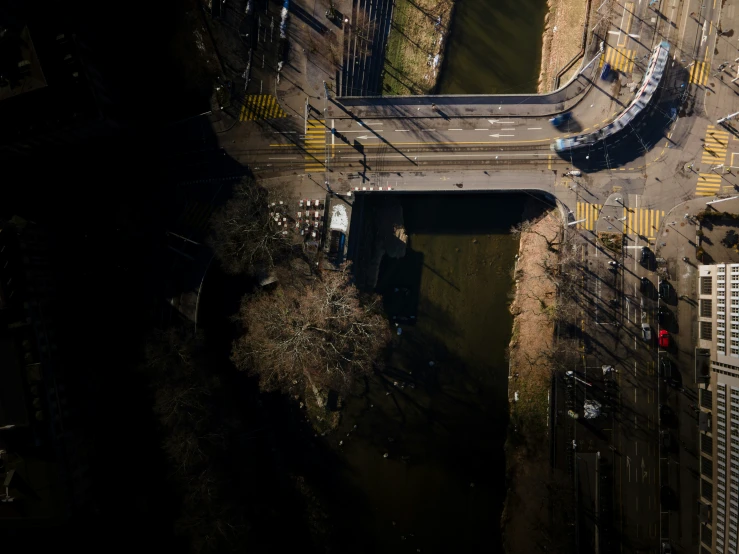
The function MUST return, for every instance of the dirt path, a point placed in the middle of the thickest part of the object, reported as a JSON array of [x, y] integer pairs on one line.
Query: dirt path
[[563, 28], [526, 513]]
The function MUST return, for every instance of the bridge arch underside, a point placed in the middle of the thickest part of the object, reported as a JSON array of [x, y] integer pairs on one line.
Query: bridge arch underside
[[649, 129]]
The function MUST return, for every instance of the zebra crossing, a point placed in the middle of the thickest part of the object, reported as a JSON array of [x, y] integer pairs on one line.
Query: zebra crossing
[[643, 221], [259, 107], [621, 59], [699, 73], [587, 215], [715, 146], [709, 184], [196, 215], [315, 145]]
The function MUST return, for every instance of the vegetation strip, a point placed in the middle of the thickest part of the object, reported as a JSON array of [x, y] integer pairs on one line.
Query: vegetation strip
[[415, 46]]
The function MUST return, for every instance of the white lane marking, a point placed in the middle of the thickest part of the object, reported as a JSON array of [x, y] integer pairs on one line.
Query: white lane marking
[[333, 132], [293, 158], [402, 130], [482, 129], [496, 135], [428, 130], [534, 129], [345, 132], [511, 129], [370, 123], [454, 129], [614, 32]]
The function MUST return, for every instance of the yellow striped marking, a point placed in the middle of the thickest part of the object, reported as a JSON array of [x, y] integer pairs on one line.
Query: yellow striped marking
[[588, 212], [715, 146], [315, 145], [196, 215], [699, 73], [258, 107], [624, 36], [643, 221], [709, 184], [621, 59]]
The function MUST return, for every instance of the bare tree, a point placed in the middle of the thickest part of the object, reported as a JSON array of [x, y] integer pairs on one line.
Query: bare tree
[[321, 335], [246, 237]]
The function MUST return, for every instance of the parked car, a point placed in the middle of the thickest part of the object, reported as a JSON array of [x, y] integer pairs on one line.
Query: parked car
[[666, 548], [646, 332], [665, 368], [664, 338], [666, 440], [606, 72], [664, 290], [560, 119]]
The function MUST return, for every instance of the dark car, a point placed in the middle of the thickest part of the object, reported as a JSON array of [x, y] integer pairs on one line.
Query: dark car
[[667, 498], [664, 315], [666, 548], [664, 290], [606, 72], [645, 256], [666, 440], [560, 119], [665, 368]]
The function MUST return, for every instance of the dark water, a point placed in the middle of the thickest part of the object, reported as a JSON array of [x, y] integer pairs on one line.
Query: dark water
[[442, 486], [494, 47]]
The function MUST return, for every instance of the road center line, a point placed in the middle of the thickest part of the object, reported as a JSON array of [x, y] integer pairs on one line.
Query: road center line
[[402, 130], [512, 129], [482, 129], [534, 129], [454, 129]]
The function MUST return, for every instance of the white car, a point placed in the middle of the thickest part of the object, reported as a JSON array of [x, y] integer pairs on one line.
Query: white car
[[646, 332]]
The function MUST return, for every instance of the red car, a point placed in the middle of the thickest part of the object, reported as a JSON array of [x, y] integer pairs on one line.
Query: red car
[[664, 339]]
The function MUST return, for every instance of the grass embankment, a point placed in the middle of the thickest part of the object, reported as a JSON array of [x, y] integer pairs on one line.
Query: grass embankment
[[563, 27], [415, 41], [530, 350]]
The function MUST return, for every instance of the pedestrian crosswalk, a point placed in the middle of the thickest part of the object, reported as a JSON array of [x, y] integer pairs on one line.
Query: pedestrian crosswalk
[[195, 216], [587, 215], [621, 59], [715, 145], [261, 106], [709, 184], [643, 221], [699, 73], [315, 145]]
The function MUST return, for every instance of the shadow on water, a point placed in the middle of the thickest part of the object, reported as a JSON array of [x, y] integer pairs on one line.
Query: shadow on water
[[494, 47], [439, 409]]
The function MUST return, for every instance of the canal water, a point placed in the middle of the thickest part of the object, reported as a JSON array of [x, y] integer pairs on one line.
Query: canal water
[[439, 411], [493, 47]]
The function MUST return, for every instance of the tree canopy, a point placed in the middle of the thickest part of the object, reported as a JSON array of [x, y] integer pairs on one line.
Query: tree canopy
[[322, 334]]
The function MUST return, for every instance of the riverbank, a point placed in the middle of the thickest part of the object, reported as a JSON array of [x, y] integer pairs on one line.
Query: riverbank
[[561, 41], [415, 46], [528, 471]]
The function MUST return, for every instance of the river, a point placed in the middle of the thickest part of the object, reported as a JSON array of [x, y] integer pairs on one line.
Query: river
[[493, 47], [442, 486]]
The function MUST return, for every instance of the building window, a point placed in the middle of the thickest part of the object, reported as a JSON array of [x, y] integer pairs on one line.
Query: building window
[[706, 330], [706, 284]]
